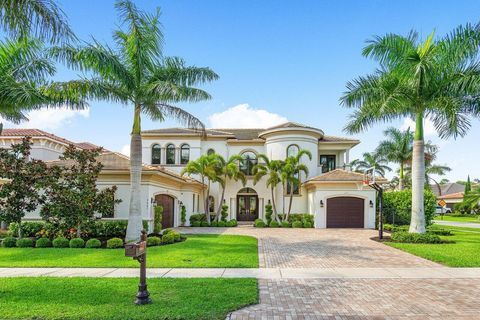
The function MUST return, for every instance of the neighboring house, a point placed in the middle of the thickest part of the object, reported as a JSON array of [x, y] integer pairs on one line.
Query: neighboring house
[[452, 199], [332, 193], [447, 188]]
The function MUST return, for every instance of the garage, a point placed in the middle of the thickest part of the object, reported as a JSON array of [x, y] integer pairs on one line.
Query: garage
[[345, 212]]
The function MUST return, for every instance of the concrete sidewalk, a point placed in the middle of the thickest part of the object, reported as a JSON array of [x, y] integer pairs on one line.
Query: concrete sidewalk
[[458, 224], [262, 273]]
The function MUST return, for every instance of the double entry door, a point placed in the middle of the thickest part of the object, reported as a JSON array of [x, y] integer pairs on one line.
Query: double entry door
[[247, 207]]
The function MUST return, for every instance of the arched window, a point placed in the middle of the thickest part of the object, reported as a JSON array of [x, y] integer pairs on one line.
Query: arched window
[[292, 150], [156, 154], [248, 162], [211, 204], [170, 153], [184, 154], [210, 151]]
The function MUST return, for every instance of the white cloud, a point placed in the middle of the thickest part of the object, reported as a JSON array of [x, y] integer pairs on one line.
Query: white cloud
[[244, 116], [52, 118], [428, 127], [125, 150]]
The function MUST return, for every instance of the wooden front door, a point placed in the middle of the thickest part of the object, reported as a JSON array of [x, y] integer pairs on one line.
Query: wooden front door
[[247, 207], [168, 204]]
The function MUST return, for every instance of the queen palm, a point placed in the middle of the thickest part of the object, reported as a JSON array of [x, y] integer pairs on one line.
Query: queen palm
[[435, 78], [137, 74], [272, 170], [371, 160]]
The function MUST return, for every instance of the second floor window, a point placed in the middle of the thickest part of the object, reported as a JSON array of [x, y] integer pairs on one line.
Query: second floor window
[[170, 154], [156, 153], [184, 154], [327, 161], [248, 162]]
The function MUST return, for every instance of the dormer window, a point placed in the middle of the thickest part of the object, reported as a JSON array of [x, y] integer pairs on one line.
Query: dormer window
[[184, 154], [170, 154], [156, 154]]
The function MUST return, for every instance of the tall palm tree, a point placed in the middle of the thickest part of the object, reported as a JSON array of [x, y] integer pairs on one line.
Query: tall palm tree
[[371, 160], [228, 170], [272, 170], [137, 74], [292, 172], [207, 168], [435, 78], [397, 149], [42, 19]]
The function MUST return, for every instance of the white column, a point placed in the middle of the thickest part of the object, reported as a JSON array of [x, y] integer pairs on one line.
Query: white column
[[347, 160]]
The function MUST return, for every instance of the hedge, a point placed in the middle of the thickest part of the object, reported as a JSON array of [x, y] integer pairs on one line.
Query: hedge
[[397, 206], [406, 237]]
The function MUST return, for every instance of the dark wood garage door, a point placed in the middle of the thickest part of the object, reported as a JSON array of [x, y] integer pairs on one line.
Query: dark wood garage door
[[345, 212], [167, 203]]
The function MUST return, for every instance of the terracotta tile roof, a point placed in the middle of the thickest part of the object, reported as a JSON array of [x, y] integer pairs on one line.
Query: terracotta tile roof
[[291, 125], [340, 175], [456, 195], [338, 139]]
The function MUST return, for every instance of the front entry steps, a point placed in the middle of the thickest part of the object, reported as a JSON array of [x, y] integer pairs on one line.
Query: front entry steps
[[245, 223]]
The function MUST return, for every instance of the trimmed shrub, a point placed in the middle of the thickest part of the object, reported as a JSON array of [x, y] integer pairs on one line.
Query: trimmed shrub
[[153, 241], [183, 237], [93, 243], [406, 237], [77, 243], [25, 243], [397, 206], [285, 224], [274, 224], [268, 213], [157, 219], [196, 224], [183, 215], [307, 224], [109, 228], [232, 223], [114, 243], [297, 224], [29, 228], [259, 223], [9, 242], [60, 242], [214, 224], [168, 238], [197, 217], [440, 232], [43, 243], [224, 213], [222, 224], [204, 224]]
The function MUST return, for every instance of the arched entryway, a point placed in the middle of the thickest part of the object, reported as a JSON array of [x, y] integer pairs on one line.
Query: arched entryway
[[168, 204], [247, 205]]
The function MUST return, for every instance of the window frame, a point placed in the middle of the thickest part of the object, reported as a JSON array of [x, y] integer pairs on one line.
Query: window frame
[[327, 156], [210, 153], [290, 146], [183, 147], [170, 148], [251, 163], [156, 147]]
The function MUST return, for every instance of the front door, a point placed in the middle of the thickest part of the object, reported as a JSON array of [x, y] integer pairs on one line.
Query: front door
[[247, 207], [168, 204]]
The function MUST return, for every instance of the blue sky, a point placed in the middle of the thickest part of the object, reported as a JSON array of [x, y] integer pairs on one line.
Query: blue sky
[[276, 59]]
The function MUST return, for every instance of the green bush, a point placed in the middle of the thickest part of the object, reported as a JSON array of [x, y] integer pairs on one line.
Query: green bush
[[440, 232], [222, 224], [114, 243], [29, 228], [406, 237], [274, 224], [204, 224], [77, 243], [307, 224], [43, 243], [268, 213], [168, 238], [397, 206], [60, 242], [214, 224], [25, 243], [93, 243], [285, 224], [153, 241], [224, 213], [197, 217], [297, 224], [259, 223], [183, 215], [9, 242], [196, 224], [232, 223], [157, 219], [109, 228]]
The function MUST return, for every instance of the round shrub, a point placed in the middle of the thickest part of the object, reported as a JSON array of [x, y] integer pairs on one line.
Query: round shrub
[[77, 243], [285, 224], [214, 224], [222, 224], [153, 241], [9, 242], [204, 224], [60, 242], [114, 243], [307, 224], [407, 237], [259, 223], [168, 238], [196, 224], [93, 243], [297, 224], [274, 224], [43, 243], [232, 223], [25, 243], [183, 237]]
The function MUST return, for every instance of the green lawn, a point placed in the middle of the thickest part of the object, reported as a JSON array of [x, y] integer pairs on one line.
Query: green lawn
[[102, 298], [463, 218], [465, 252], [199, 251]]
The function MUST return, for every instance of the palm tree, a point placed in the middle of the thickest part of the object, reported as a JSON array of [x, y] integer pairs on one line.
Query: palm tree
[[436, 78], [42, 19], [397, 149], [228, 170], [272, 170], [371, 160], [207, 168], [291, 174], [137, 74]]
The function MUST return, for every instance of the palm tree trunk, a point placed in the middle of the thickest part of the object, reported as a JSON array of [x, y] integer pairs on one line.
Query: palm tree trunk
[[417, 224], [220, 205], [290, 203], [401, 179], [274, 206], [135, 225], [207, 203]]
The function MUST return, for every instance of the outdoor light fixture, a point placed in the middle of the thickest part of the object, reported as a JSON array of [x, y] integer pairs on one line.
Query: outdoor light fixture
[[269, 201], [371, 204], [321, 203]]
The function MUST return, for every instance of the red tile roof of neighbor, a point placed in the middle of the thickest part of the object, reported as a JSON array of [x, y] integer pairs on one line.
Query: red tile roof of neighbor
[[36, 133], [457, 195]]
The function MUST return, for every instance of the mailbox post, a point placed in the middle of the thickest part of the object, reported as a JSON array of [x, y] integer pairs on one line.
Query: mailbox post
[[138, 252]]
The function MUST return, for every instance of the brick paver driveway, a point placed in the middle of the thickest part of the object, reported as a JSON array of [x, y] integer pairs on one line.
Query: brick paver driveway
[[322, 248]]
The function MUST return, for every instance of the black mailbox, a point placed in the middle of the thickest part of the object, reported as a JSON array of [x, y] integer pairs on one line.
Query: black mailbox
[[135, 249]]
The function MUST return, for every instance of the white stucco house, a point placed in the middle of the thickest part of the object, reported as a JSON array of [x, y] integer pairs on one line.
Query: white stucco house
[[331, 192]]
